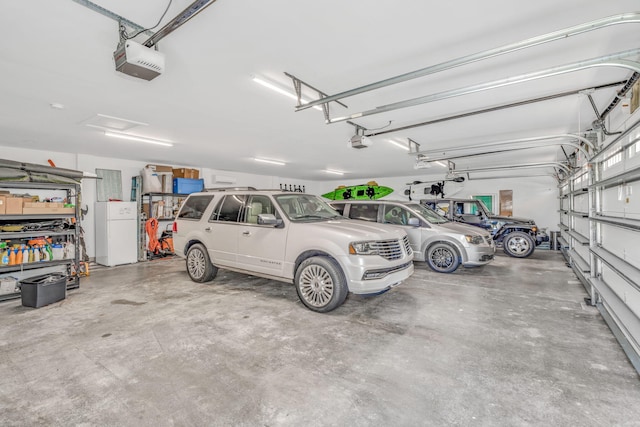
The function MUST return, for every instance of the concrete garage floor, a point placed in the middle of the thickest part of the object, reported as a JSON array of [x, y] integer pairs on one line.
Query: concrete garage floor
[[508, 344]]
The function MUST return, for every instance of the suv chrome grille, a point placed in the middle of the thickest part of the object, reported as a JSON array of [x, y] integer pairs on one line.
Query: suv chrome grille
[[407, 245], [390, 249]]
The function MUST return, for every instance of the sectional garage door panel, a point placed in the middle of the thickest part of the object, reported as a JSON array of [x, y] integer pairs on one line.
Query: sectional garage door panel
[[603, 232]]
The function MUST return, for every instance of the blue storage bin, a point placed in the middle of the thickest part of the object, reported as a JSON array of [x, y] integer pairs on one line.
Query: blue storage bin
[[187, 185]]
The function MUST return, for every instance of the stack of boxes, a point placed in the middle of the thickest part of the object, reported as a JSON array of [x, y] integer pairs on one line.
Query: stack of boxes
[[12, 205], [172, 180], [185, 181]]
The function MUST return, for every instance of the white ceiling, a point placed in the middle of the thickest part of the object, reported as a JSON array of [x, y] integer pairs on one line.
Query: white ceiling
[[62, 52]]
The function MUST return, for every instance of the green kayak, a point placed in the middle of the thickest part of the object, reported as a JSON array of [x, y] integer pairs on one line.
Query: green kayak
[[370, 190]]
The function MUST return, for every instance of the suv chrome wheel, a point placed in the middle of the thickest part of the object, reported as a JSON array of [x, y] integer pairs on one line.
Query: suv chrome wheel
[[199, 267], [320, 284], [518, 244]]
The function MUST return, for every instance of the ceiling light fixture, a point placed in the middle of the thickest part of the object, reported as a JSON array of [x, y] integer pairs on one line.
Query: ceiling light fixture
[[273, 162], [400, 144], [281, 91], [139, 139], [334, 172], [443, 164]]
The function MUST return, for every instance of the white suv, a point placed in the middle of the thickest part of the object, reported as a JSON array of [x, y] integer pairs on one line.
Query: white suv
[[289, 237]]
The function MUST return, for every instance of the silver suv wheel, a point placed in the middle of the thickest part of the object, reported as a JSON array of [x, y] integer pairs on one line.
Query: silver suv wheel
[[320, 284], [199, 266]]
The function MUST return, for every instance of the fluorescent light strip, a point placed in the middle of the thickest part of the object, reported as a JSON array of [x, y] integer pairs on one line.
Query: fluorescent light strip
[[443, 164], [282, 91], [139, 139], [399, 144], [273, 162], [334, 172]]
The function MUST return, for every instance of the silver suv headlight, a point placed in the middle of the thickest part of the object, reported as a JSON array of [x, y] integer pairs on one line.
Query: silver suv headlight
[[474, 240], [363, 248]]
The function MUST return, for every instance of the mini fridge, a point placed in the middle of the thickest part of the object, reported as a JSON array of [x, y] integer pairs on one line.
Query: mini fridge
[[116, 233]]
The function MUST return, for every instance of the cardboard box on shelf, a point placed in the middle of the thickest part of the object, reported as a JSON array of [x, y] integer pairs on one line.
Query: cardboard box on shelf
[[48, 210], [160, 168], [186, 173], [14, 205], [3, 204], [42, 205]]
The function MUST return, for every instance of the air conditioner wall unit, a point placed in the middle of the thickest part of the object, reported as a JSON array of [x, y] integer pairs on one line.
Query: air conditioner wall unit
[[136, 60]]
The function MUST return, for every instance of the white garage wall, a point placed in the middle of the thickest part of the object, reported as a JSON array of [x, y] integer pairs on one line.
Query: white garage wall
[[129, 169]]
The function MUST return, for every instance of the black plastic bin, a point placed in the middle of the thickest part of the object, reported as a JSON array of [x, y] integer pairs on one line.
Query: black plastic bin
[[42, 290]]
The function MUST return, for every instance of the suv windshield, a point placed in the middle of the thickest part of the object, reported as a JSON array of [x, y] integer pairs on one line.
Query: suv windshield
[[305, 207], [430, 215]]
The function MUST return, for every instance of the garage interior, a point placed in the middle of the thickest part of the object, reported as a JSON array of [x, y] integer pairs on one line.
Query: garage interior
[[537, 100]]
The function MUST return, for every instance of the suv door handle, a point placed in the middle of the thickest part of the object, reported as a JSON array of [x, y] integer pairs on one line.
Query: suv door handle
[[208, 229], [246, 233]]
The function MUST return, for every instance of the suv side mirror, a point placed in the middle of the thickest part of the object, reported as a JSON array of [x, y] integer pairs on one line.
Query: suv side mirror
[[414, 222], [267, 219]]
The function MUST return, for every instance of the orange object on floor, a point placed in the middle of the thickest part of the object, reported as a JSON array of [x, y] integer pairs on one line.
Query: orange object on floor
[[151, 226]]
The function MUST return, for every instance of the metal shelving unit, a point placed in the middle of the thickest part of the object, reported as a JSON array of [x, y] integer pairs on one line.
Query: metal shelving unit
[[71, 234], [152, 200]]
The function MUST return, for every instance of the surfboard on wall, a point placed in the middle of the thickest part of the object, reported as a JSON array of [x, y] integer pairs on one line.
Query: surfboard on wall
[[369, 191]]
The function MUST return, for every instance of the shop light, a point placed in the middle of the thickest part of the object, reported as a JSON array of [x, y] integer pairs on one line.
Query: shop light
[[400, 144], [334, 172], [273, 162], [281, 91], [139, 138], [443, 164]]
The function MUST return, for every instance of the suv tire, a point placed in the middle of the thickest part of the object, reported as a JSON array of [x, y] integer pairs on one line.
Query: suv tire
[[199, 266], [320, 284], [442, 257], [518, 244]]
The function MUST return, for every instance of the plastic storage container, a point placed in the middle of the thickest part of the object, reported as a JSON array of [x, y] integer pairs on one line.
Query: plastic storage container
[[187, 186], [42, 290]]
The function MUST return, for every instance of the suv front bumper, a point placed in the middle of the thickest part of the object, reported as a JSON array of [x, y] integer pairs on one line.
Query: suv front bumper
[[374, 277]]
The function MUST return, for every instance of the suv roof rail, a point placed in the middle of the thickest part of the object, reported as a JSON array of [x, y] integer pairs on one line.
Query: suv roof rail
[[230, 189]]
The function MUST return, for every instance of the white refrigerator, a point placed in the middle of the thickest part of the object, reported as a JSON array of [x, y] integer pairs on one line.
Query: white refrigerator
[[116, 233]]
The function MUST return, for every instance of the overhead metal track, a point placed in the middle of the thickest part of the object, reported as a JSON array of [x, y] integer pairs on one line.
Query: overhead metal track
[[558, 165], [613, 60], [503, 146], [109, 14], [192, 10], [492, 109], [297, 86], [621, 93], [625, 18]]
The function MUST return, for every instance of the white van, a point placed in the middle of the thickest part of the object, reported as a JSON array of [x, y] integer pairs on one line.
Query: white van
[[443, 244]]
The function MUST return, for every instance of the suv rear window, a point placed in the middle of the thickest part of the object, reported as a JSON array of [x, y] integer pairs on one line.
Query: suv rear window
[[229, 208], [194, 207]]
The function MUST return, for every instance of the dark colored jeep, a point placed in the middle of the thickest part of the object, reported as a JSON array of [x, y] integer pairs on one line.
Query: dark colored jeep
[[517, 236]]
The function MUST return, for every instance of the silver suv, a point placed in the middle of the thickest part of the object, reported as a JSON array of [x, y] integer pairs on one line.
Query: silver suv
[[289, 237], [443, 244]]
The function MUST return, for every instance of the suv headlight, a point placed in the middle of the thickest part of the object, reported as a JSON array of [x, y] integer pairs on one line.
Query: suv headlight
[[362, 248], [534, 229], [474, 240]]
